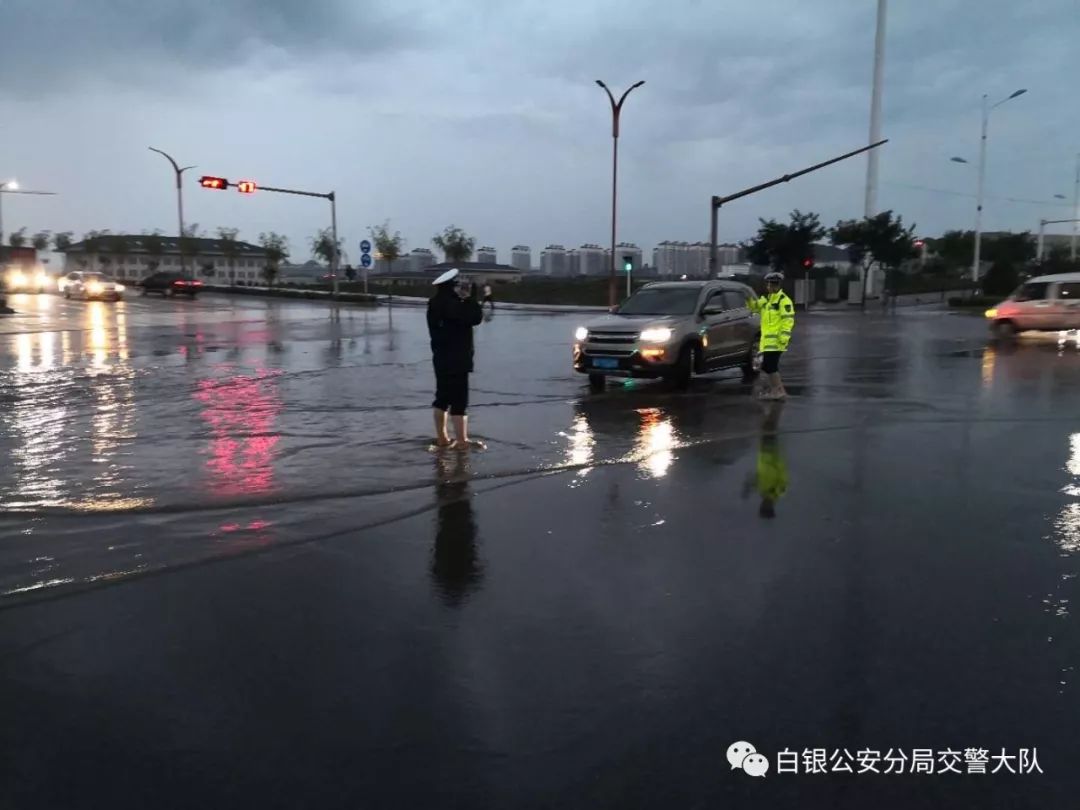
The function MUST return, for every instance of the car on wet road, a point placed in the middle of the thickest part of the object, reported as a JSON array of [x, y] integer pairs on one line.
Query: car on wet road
[[169, 283], [26, 280], [88, 285], [1043, 304], [671, 330]]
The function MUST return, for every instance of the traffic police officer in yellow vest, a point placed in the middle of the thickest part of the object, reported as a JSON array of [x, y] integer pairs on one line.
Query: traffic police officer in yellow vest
[[777, 322]]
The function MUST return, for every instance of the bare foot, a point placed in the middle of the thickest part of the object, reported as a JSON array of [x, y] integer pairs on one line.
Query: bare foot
[[440, 444], [469, 444]]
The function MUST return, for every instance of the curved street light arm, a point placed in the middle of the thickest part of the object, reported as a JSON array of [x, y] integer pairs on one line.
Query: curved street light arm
[[175, 165]]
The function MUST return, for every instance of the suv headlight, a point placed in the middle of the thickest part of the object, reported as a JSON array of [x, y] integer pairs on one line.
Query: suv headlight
[[581, 334], [659, 335]]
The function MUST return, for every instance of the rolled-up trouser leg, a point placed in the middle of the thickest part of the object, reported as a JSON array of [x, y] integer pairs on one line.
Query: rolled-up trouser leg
[[452, 392]]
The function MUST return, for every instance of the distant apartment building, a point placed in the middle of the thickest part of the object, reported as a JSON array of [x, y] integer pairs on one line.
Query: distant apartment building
[[674, 259], [573, 262], [420, 259], [554, 261], [486, 254], [521, 258], [593, 261]]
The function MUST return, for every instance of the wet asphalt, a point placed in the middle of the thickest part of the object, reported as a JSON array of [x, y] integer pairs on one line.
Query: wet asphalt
[[233, 575]]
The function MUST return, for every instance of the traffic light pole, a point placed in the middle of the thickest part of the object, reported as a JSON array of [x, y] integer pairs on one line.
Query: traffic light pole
[[717, 202], [332, 197], [1042, 233]]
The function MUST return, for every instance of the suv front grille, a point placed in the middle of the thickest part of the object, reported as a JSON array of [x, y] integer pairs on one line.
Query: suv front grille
[[612, 337]]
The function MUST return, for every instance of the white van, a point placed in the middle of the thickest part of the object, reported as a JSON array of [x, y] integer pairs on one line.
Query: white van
[[1044, 303]]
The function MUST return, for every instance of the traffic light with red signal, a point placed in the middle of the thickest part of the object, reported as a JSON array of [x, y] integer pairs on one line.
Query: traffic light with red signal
[[219, 183], [808, 263], [246, 186]]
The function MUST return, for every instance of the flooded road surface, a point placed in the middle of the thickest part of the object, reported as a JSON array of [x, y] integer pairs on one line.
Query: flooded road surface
[[233, 575]]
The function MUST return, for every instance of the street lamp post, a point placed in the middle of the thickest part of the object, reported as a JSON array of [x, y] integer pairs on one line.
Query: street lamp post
[[179, 201], [616, 109], [986, 108], [1076, 209], [870, 202]]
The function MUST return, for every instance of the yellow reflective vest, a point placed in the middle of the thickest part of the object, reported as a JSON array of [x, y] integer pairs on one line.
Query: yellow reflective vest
[[777, 320]]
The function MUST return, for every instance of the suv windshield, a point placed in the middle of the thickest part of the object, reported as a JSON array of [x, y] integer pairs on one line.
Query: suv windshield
[[661, 301]]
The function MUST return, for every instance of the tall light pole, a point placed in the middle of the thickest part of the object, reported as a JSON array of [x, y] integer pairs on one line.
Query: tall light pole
[[616, 108], [986, 108], [179, 200], [870, 207], [1076, 209]]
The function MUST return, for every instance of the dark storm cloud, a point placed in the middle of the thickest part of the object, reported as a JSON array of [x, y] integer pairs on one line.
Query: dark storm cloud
[[59, 45], [406, 103]]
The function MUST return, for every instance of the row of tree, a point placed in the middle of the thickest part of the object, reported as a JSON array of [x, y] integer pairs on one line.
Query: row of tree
[[883, 239], [789, 247], [389, 245]]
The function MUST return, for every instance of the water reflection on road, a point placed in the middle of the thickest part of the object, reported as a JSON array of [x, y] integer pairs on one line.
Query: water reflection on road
[[74, 397], [241, 412]]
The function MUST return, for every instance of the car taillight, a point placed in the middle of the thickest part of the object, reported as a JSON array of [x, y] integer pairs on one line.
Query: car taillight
[[196, 284], [179, 283]]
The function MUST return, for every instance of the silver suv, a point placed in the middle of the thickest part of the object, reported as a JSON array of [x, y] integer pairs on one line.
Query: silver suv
[[671, 329]]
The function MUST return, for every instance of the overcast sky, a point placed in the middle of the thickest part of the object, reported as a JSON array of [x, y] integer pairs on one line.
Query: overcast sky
[[484, 113]]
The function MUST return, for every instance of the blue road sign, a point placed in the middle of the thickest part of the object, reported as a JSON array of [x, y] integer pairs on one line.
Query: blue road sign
[[365, 260], [365, 247]]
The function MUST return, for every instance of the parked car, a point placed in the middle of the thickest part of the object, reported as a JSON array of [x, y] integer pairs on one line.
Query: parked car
[[171, 283], [672, 330], [90, 285], [1045, 304], [26, 280]]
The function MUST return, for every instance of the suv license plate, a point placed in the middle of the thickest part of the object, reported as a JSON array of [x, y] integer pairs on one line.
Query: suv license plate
[[605, 362]]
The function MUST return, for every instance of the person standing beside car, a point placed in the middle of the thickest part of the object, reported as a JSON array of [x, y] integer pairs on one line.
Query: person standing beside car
[[777, 323], [451, 315]]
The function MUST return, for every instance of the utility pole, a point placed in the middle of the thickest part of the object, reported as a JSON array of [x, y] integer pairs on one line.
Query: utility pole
[[1076, 209], [870, 206]]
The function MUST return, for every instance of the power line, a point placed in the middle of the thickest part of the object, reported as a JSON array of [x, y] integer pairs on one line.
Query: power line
[[972, 196]]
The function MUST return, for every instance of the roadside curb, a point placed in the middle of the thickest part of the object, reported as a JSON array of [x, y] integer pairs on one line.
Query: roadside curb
[[504, 307], [292, 292]]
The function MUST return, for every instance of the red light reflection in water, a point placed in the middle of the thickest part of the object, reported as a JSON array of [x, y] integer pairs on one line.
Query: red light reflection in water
[[241, 412]]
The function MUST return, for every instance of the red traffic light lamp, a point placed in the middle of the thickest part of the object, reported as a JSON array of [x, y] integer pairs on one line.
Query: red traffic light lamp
[[219, 183], [807, 263], [246, 186]]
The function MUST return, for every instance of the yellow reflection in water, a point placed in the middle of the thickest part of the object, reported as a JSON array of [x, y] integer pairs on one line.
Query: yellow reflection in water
[[989, 358], [24, 352], [1068, 521], [37, 423], [655, 443], [99, 336], [50, 432], [582, 444]]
